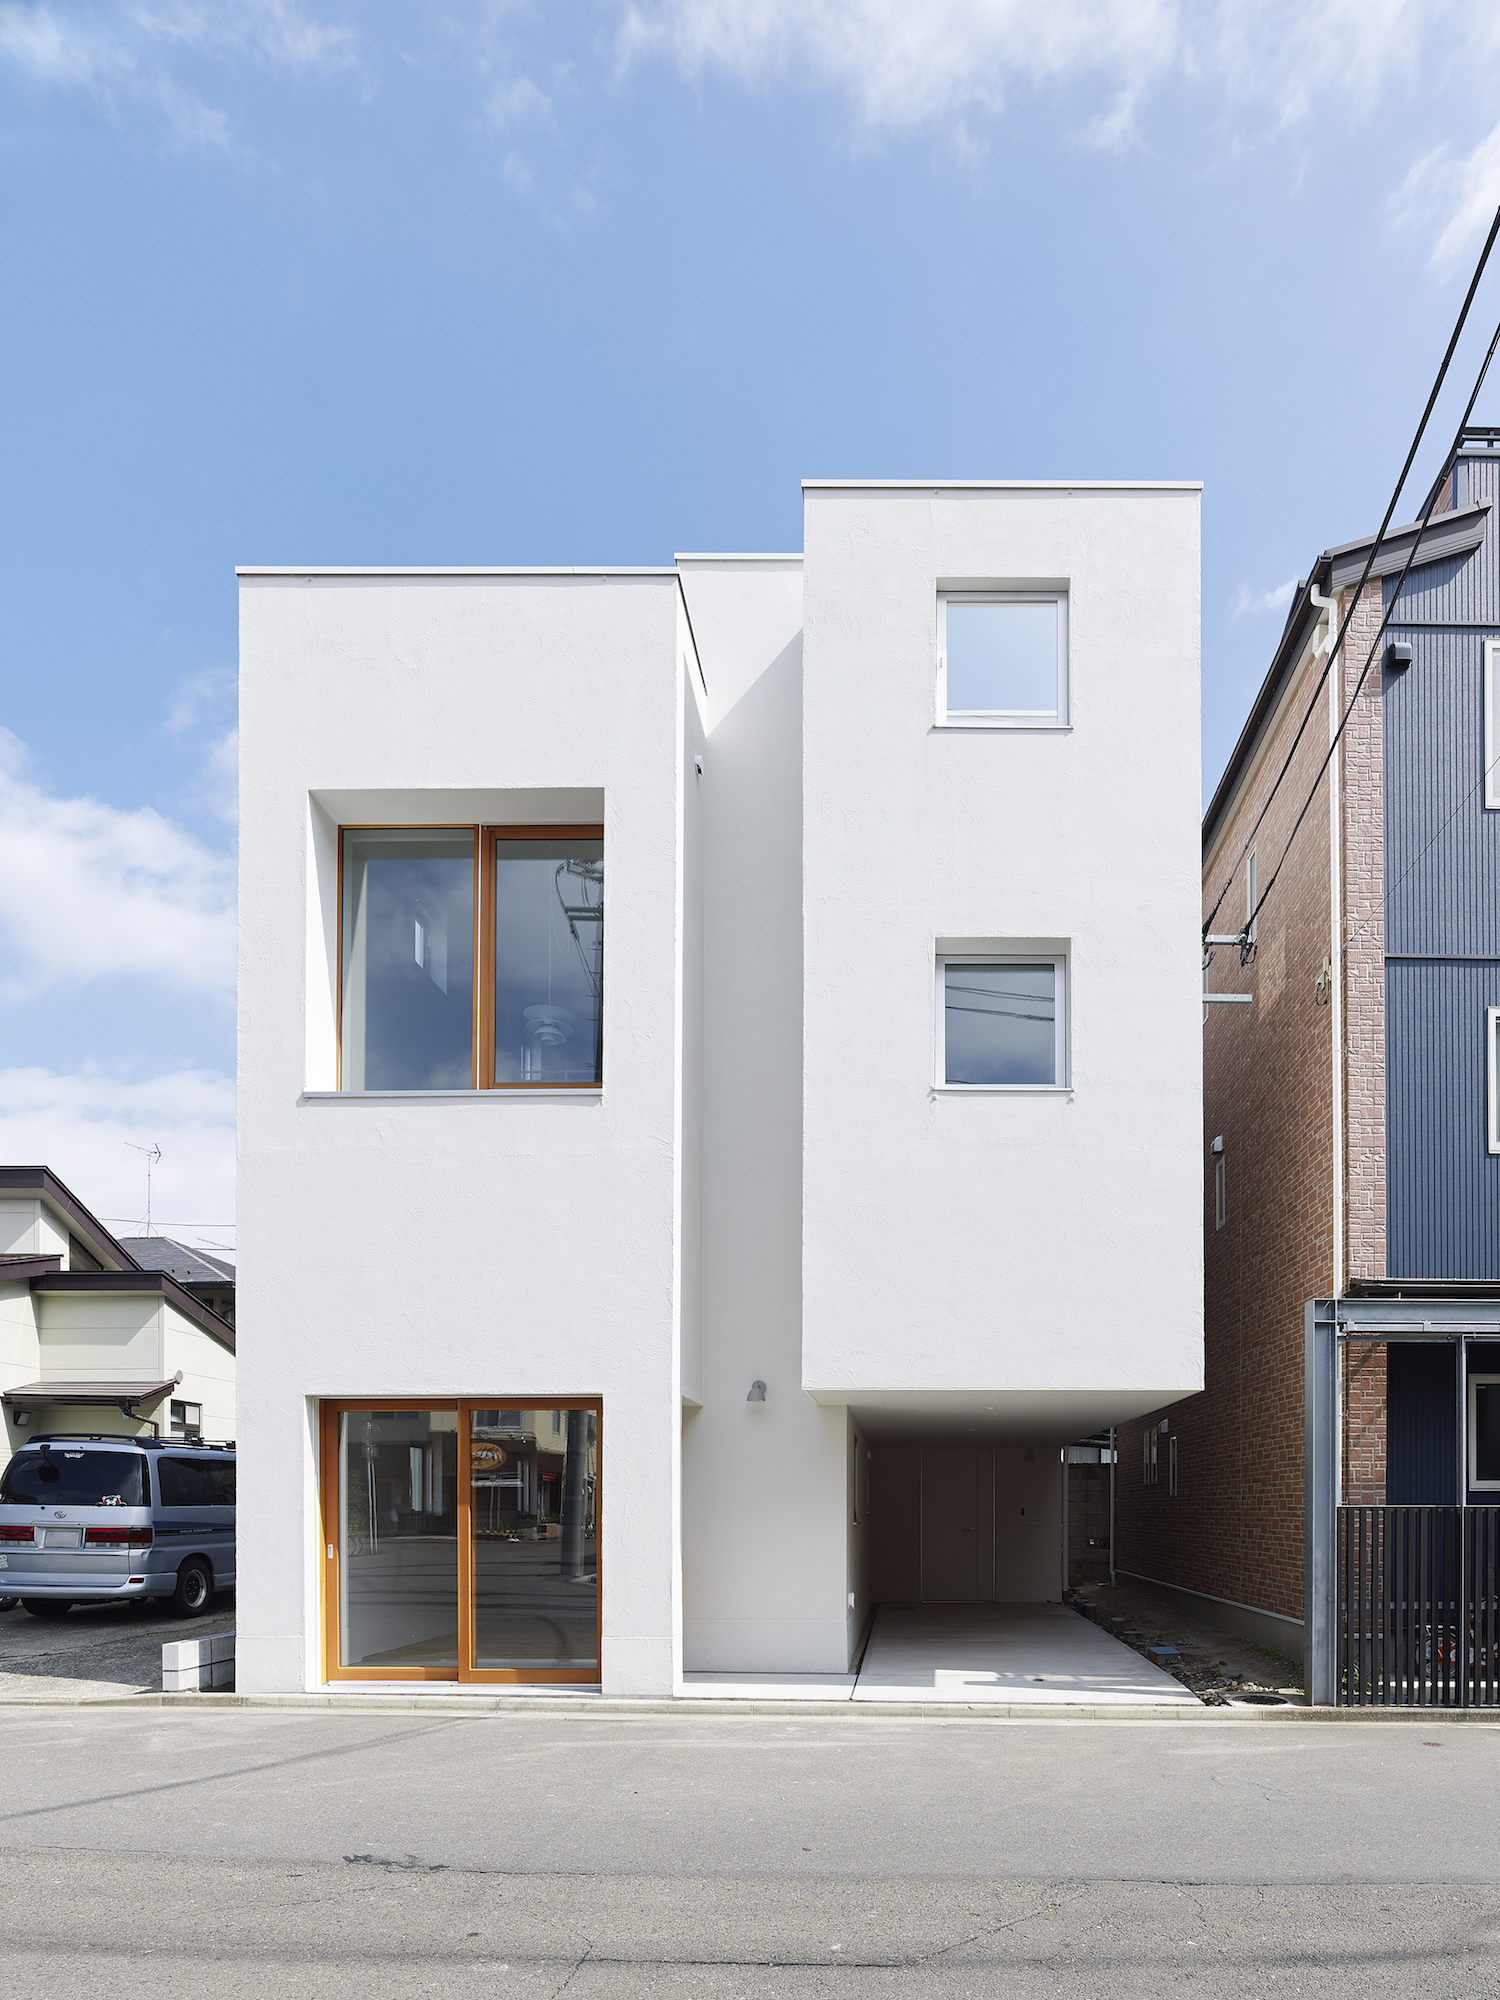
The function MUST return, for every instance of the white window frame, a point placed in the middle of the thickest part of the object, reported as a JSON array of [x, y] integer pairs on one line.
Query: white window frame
[[1059, 962], [1492, 1074], [1491, 747], [1002, 718], [1476, 1484]]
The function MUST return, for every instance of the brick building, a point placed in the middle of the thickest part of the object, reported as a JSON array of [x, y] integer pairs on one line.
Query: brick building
[[1351, 1135]]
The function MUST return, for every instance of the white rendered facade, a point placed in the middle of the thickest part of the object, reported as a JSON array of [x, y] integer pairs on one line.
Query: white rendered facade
[[770, 1185]]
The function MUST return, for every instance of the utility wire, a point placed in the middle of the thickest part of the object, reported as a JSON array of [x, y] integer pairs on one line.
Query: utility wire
[[1261, 899], [1334, 649]]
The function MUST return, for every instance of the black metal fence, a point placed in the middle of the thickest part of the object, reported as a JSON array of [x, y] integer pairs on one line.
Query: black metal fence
[[1419, 1607]]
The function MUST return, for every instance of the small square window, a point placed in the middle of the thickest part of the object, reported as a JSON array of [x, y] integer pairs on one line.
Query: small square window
[[1001, 1023], [1002, 659]]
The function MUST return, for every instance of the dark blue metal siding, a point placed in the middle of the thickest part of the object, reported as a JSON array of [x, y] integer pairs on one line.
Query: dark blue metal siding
[[1466, 589], [1442, 1182], [1442, 845], [1421, 1449], [1442, 881]]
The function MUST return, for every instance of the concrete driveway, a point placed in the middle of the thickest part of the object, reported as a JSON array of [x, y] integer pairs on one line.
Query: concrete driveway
[[98, 1650], [1041, 1654]]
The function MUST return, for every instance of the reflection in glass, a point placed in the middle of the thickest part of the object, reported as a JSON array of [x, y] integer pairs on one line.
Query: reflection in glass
[[1002, 659], [1000, 1023], [549, 960], [534, 1501], [398, 1520], [1486, 1432], [408, 959]]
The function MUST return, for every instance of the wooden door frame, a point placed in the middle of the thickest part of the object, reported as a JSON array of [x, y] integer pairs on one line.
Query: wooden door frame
[[331, 1555]]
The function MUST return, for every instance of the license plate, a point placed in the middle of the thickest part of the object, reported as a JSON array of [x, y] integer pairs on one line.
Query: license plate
[[62, 1538]]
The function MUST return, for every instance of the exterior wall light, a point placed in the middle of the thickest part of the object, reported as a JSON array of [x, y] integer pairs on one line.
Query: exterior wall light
[[757, 1392], [1217, 1146]]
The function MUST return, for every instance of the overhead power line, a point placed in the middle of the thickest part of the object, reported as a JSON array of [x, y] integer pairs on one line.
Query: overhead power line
[[1337, 646], [1260, 901]]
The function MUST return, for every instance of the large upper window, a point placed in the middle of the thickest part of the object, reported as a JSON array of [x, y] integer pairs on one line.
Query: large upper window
[[1003, 658], [1000, 1022], [421, 1008]]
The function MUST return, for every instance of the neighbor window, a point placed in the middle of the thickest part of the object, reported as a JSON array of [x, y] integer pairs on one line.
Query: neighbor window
[[1003, 658], [1219, 1209], [1484, 1432], [1001, 1023], [1492, 1073], [187, 1419], [1172, 1468], [1252, 900], [471, 957], [1491, 725]]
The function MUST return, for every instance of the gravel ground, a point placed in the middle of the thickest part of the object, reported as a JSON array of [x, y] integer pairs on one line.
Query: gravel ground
[[1215, 1664], [98, 1649]]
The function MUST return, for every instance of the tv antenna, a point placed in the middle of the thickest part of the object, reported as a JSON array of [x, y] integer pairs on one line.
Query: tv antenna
[[153, 1157]]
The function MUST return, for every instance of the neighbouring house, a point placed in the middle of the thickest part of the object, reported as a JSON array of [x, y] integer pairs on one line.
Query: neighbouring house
[[210, 1279], [1349, 1428], [92, 1340], [675, 1288]]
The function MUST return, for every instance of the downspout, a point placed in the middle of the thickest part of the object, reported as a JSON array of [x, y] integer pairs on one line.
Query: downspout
[[1329, 607]]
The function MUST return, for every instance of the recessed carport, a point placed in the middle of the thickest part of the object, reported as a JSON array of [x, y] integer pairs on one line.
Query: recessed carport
[[958, 1552]]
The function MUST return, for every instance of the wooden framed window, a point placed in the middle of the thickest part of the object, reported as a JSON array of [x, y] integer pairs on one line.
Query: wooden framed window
[[461, 1539], [471, 958]]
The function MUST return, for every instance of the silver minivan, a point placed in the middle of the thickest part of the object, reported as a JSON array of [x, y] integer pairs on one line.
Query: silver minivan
[[90, 1520]]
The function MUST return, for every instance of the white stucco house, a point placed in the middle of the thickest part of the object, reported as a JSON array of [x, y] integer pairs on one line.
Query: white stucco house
[[93, 1340], [627, 1297]]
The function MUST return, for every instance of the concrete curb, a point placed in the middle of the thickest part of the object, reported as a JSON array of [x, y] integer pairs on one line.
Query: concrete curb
[[588, 1706]]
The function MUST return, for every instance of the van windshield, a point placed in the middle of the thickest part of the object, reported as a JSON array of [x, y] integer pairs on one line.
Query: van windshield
[[67, 1476]]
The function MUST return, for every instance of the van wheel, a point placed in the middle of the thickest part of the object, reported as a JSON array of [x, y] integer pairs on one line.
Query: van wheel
[[195, 1586], [47, 1607]]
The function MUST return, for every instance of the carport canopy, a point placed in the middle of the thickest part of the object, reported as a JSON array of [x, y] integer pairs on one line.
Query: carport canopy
[[88, 1394]]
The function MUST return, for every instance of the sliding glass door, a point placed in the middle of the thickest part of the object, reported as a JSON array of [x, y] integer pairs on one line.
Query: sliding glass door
[[461, 1540]]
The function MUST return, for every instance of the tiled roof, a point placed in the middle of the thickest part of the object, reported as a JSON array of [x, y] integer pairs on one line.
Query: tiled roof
[[178, 1260]]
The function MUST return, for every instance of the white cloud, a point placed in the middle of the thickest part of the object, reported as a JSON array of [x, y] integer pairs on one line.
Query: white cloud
[[904, 65], [89, 891], [120, 56], [1285, 61], [268, 32], [203, 707], [1461, 194], [1275, 599], [85, 1126], [519, 105]]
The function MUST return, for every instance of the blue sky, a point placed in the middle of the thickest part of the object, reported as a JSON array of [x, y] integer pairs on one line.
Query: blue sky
[[600, 281]]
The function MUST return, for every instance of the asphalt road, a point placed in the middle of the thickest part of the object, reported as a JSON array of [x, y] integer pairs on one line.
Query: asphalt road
[[248, 1851]]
